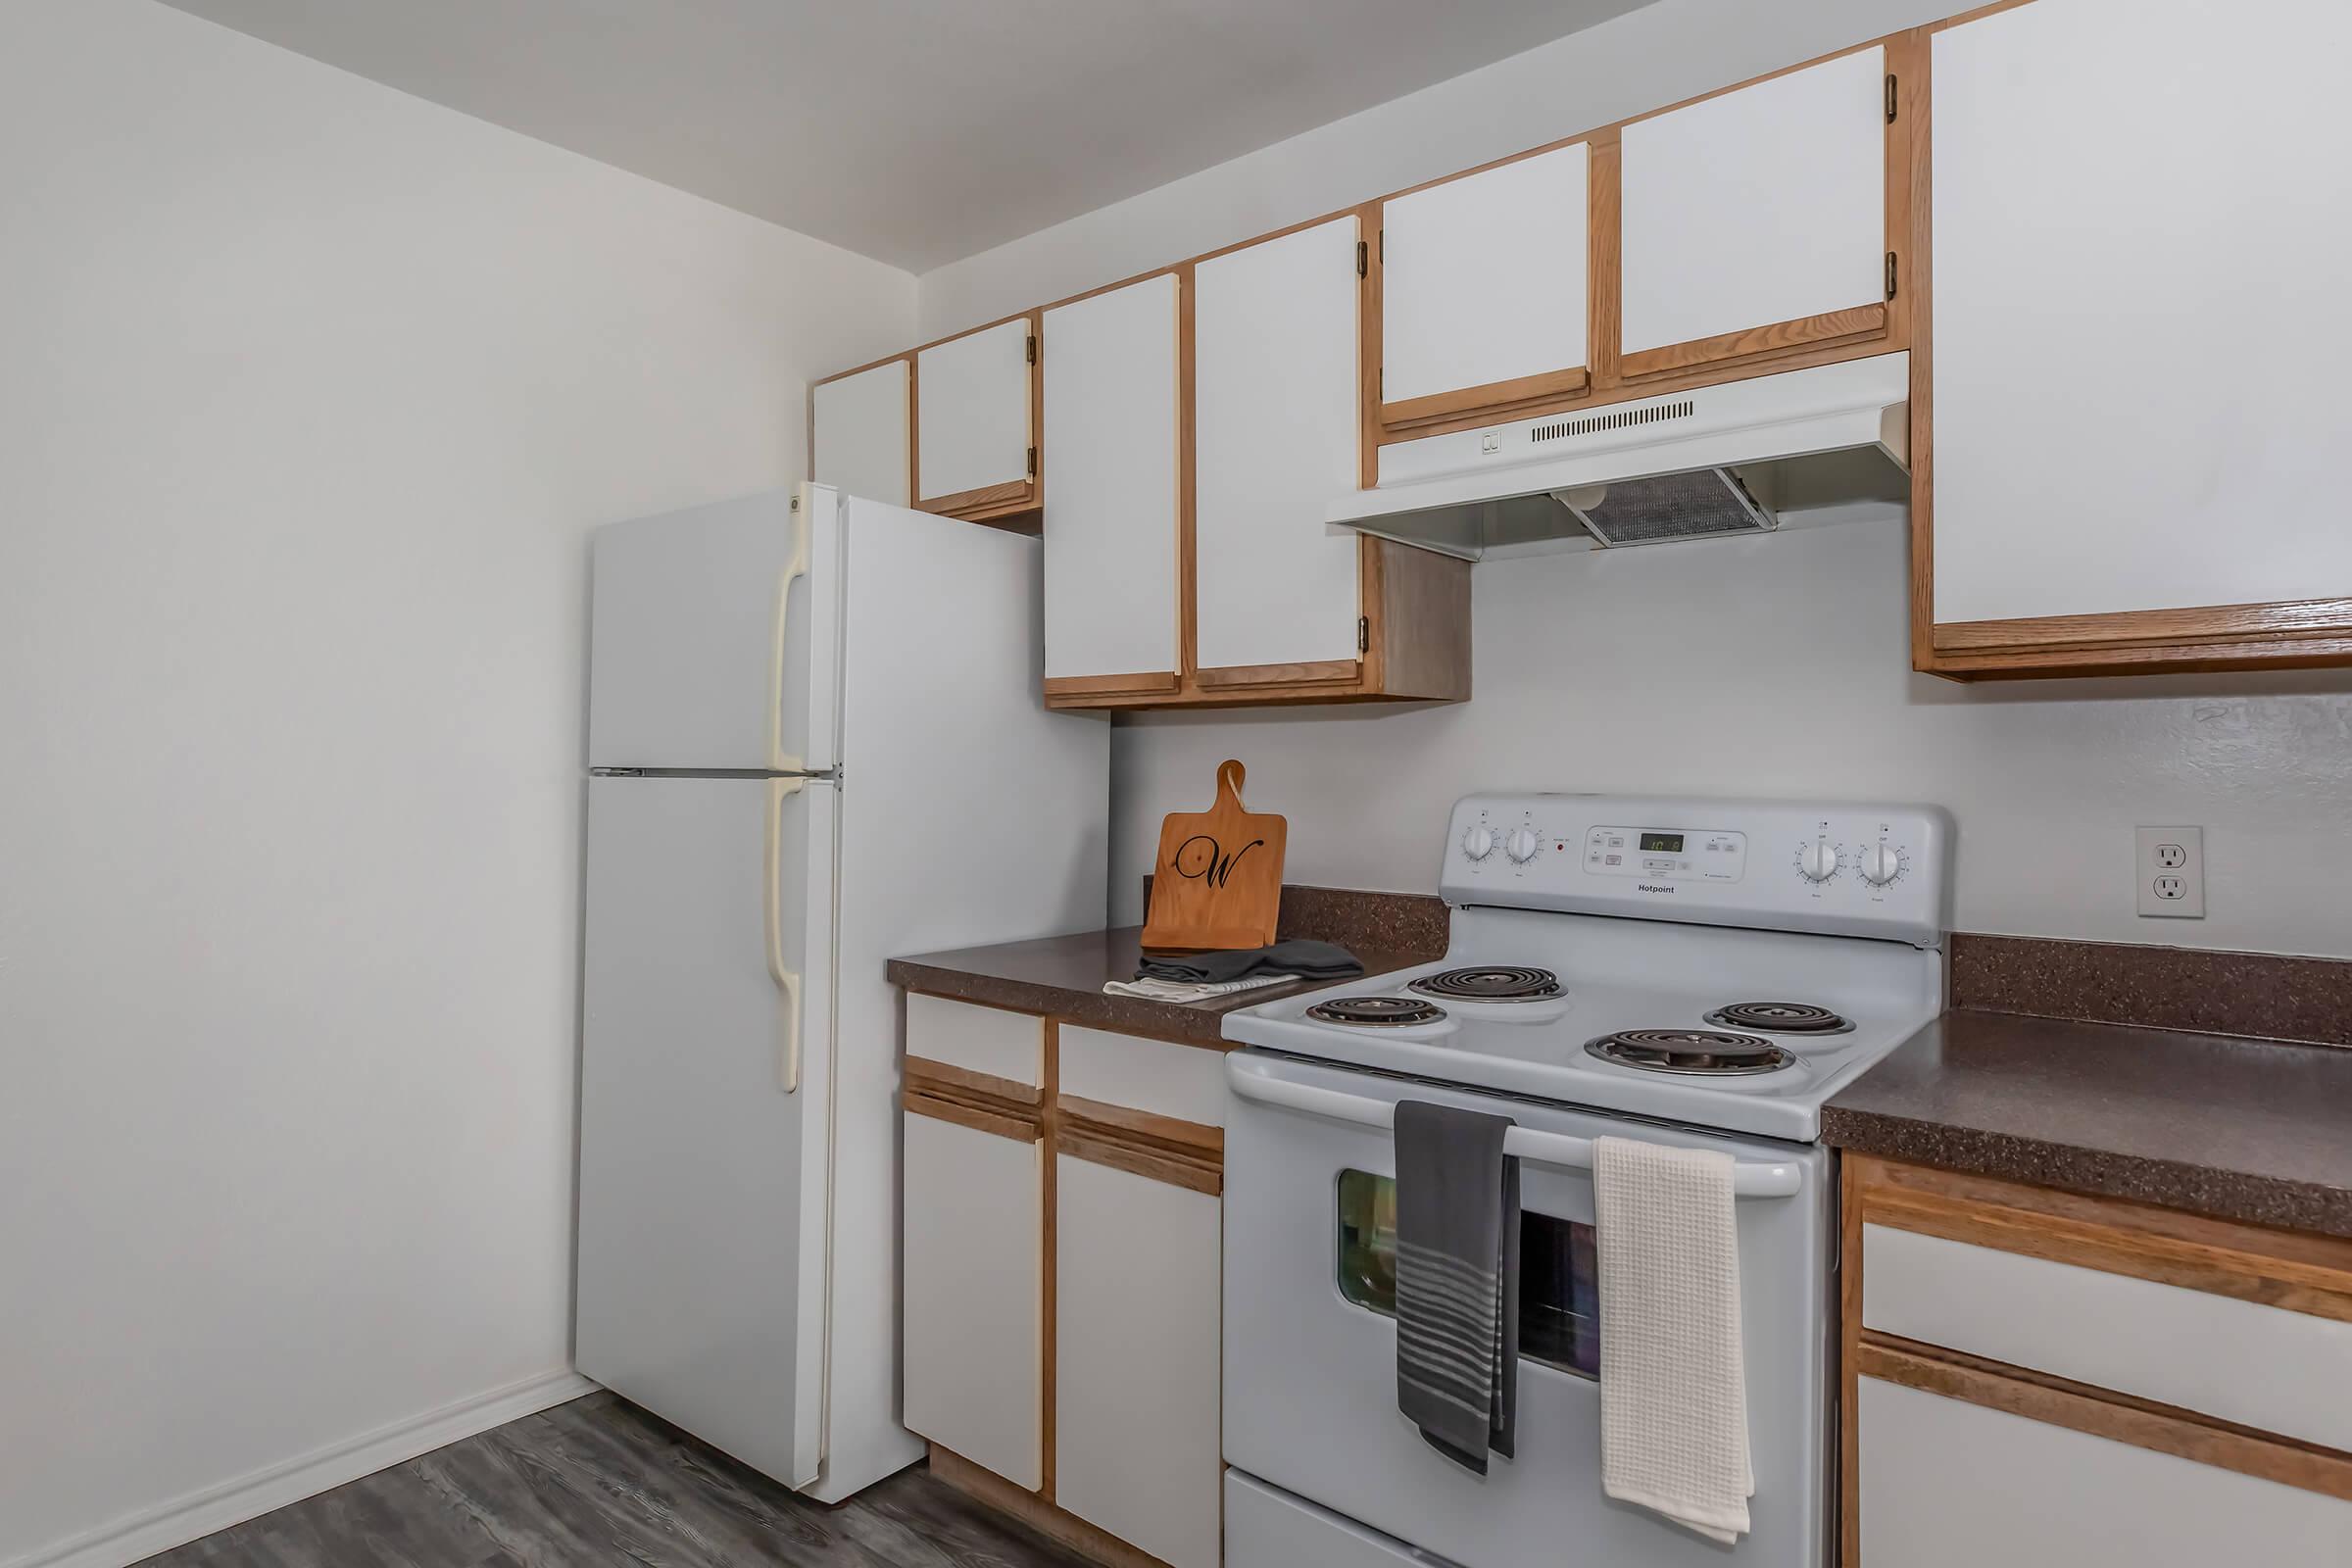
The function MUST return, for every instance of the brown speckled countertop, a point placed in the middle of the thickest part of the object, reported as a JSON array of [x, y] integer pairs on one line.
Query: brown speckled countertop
[[2252, 1130], [1063, 976]]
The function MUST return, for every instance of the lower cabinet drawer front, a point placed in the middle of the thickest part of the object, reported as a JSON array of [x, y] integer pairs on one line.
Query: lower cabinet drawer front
[[974, 1288], [1186, 1082], [977, 1039], [1136, 1437], [1268, 1528], [1945, 1484], [2264, 1367]]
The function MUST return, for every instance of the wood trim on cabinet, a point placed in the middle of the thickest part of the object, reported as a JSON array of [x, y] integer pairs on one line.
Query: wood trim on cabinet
[[1096, 1118], [2101, 1414], [1604, 260], [1050, 1289], [945, 1079], [1914, 103], [1437, 405], [1188, 491], [1859, 323], [985, 498], [2287, 619], [1371, 335], [977, 1117], [1149, 1164], [1157, 680], [2284, 1269], [1036, 1512], [1326, 669]]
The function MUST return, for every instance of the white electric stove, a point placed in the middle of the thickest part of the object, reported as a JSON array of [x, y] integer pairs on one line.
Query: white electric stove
[[1695, 972]]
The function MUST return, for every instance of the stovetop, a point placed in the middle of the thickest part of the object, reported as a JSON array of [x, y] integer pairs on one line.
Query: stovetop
[[1621, 975]]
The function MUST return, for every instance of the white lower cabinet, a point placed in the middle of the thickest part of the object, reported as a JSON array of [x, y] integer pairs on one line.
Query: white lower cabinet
[[1137, 1450], [974, 1345], [1947, 1484]]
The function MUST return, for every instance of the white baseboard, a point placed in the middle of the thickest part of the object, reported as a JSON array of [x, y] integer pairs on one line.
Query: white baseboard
[[198, 1514]]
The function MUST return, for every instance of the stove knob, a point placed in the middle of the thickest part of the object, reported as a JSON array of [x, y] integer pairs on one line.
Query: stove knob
[[1479, 842], [1881, 864], [1523, 845], [1817, 861]]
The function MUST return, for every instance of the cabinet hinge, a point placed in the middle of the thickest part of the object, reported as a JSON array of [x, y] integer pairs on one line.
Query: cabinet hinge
[[1890, 274], [1361, 268], [1363, 634], [1032, 348], [1891, 98], [1032, 463]]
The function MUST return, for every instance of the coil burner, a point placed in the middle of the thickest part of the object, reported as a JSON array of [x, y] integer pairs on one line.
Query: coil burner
[[1698, 1053], [1491, 983], [1376, 1012], [1782, 1018]]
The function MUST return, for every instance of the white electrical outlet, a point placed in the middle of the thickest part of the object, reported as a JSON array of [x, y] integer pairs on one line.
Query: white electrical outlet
[[2169, 872]]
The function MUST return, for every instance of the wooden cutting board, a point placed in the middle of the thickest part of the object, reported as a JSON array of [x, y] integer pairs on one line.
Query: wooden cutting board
[[1217, 882]]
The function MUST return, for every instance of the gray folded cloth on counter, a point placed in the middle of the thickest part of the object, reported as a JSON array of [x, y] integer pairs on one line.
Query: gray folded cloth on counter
[[1458, 1281], [1309, 960]]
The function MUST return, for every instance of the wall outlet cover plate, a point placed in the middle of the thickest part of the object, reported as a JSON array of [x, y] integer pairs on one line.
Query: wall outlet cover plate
[[2169, 871]]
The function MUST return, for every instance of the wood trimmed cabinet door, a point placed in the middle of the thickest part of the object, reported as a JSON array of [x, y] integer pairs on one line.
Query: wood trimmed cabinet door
[[1277, 598], [1755, 221], [2136, 318], [2036, 1377], [973, 1336], [976, 445], [1483, 304], [1113, 416], [860, 428]]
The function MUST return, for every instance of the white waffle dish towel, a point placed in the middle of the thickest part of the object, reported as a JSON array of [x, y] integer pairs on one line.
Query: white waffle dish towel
[[1673, 1378]]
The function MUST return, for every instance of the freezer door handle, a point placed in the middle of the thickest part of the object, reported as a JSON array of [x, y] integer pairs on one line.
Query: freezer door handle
[[778, 760], [1749, 1178], [787, 980]]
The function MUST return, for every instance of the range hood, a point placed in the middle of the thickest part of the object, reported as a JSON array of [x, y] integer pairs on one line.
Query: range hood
[[1718, 459]]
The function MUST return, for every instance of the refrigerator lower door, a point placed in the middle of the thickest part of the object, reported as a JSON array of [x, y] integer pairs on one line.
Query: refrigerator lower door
[[710, 636], [703, 1121]]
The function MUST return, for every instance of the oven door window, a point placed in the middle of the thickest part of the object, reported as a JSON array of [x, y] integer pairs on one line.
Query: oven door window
[[1559, 1273]]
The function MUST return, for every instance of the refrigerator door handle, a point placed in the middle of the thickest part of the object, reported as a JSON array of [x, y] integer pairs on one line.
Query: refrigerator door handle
[[787, 980], [778, 760]]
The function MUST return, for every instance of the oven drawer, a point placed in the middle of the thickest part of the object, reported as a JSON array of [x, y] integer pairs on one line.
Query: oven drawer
[[1268, 1528]]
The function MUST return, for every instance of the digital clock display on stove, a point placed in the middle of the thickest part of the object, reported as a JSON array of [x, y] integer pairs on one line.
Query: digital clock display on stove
[[1670, 842]]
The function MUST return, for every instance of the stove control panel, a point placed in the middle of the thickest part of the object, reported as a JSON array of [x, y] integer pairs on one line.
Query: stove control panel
[[1853, 870], [1716, 854]]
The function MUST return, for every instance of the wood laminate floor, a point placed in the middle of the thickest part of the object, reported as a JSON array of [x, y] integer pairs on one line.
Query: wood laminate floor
[[600, 1481]]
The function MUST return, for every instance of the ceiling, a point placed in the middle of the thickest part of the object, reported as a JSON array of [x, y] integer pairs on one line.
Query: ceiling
[[915, 131]]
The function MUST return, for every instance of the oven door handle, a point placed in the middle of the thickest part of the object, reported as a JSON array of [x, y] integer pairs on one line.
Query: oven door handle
[[1749, 1178]]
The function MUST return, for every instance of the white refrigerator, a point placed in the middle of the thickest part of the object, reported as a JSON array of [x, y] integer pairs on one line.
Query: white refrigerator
[[815, 740]]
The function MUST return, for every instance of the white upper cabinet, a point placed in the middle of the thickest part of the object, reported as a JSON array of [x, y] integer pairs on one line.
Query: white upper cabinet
[[859, 443], [2138, 300], [1759, 207], [1483, 278], [1275, 394], [972, 413], [1110, 493]]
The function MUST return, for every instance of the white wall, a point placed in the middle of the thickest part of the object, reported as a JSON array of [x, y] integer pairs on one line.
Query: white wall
[[1774, 666], [307, 393]]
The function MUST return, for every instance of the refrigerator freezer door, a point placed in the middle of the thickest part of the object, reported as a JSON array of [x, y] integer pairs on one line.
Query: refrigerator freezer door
[[705, 649], [706, 1081]]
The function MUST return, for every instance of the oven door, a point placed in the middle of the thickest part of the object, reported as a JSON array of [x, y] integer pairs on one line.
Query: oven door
[[1310, 1340]]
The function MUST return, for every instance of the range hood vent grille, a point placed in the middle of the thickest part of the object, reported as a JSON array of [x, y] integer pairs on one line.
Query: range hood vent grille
[[1615, 419], [1668, 506]]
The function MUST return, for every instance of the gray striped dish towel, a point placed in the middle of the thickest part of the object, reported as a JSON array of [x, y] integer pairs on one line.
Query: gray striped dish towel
[[1458, 1281]]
